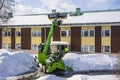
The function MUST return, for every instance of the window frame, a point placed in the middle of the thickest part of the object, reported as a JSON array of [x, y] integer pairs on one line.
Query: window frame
[[103, 33], [88, 48], [4, 44], [89, 33], [68, 33], [103, 49], [9, 46], [33, 46], [16, 34], [17, 45], [36, 33], [6, 33]]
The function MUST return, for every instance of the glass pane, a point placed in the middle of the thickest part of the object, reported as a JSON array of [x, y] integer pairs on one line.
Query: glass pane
[[3, 45], [3, 33], [63, 33], [85, 33], [9, 33], [9, 46], [35, 33], [85, 48], [39, 33], [18, 33], [35, 46], [18, 46], [91, 49], [69, 33], [107, 49], [91, 32], [107, 32]]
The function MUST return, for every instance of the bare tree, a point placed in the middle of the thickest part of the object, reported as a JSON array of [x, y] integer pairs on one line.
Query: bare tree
[[6, 8]]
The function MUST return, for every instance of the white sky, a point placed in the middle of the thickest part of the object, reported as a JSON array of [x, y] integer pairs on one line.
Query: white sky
[[43, 6]]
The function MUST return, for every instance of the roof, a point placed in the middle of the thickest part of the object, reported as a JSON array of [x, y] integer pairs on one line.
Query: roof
[[111, 17], [59, 43]]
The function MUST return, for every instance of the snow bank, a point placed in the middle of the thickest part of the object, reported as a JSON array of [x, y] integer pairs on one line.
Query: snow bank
[[81, 62], [15, 63], [50, 77]]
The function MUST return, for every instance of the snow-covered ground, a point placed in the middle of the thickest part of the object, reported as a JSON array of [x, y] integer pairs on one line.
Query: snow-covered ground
[[18, 62], [81, 77]]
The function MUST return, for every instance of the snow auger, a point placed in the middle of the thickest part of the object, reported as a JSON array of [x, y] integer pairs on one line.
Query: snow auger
[[52, 61]]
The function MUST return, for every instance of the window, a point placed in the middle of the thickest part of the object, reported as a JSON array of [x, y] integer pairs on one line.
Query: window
[[18, 33], [91, 49], [105, 48], [65, 33], [3, 45], [85, 48], [34, 47], [91, 32], [85, 33], [18, 46], [88, 48], [36, 33], [6, 33], [9, 46], [88, 33], [106, 33]]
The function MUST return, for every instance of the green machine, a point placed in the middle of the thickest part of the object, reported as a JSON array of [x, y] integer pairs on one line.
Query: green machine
[[52, 61]]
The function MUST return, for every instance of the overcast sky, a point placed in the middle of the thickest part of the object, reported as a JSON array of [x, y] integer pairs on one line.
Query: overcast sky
[[44, 6]]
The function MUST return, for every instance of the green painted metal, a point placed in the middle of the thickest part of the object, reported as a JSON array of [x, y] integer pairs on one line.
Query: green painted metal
[[55, 23]]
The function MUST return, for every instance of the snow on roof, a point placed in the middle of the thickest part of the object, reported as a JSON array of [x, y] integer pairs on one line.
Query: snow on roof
[[96, 17], [88, 17], [29, 20]]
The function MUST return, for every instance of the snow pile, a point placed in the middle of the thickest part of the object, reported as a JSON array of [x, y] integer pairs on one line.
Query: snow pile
[[15, 63], [50, 77], [83, 62]]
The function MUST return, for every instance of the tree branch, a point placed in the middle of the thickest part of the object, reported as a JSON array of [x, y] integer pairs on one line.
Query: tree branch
[[2, 4]]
